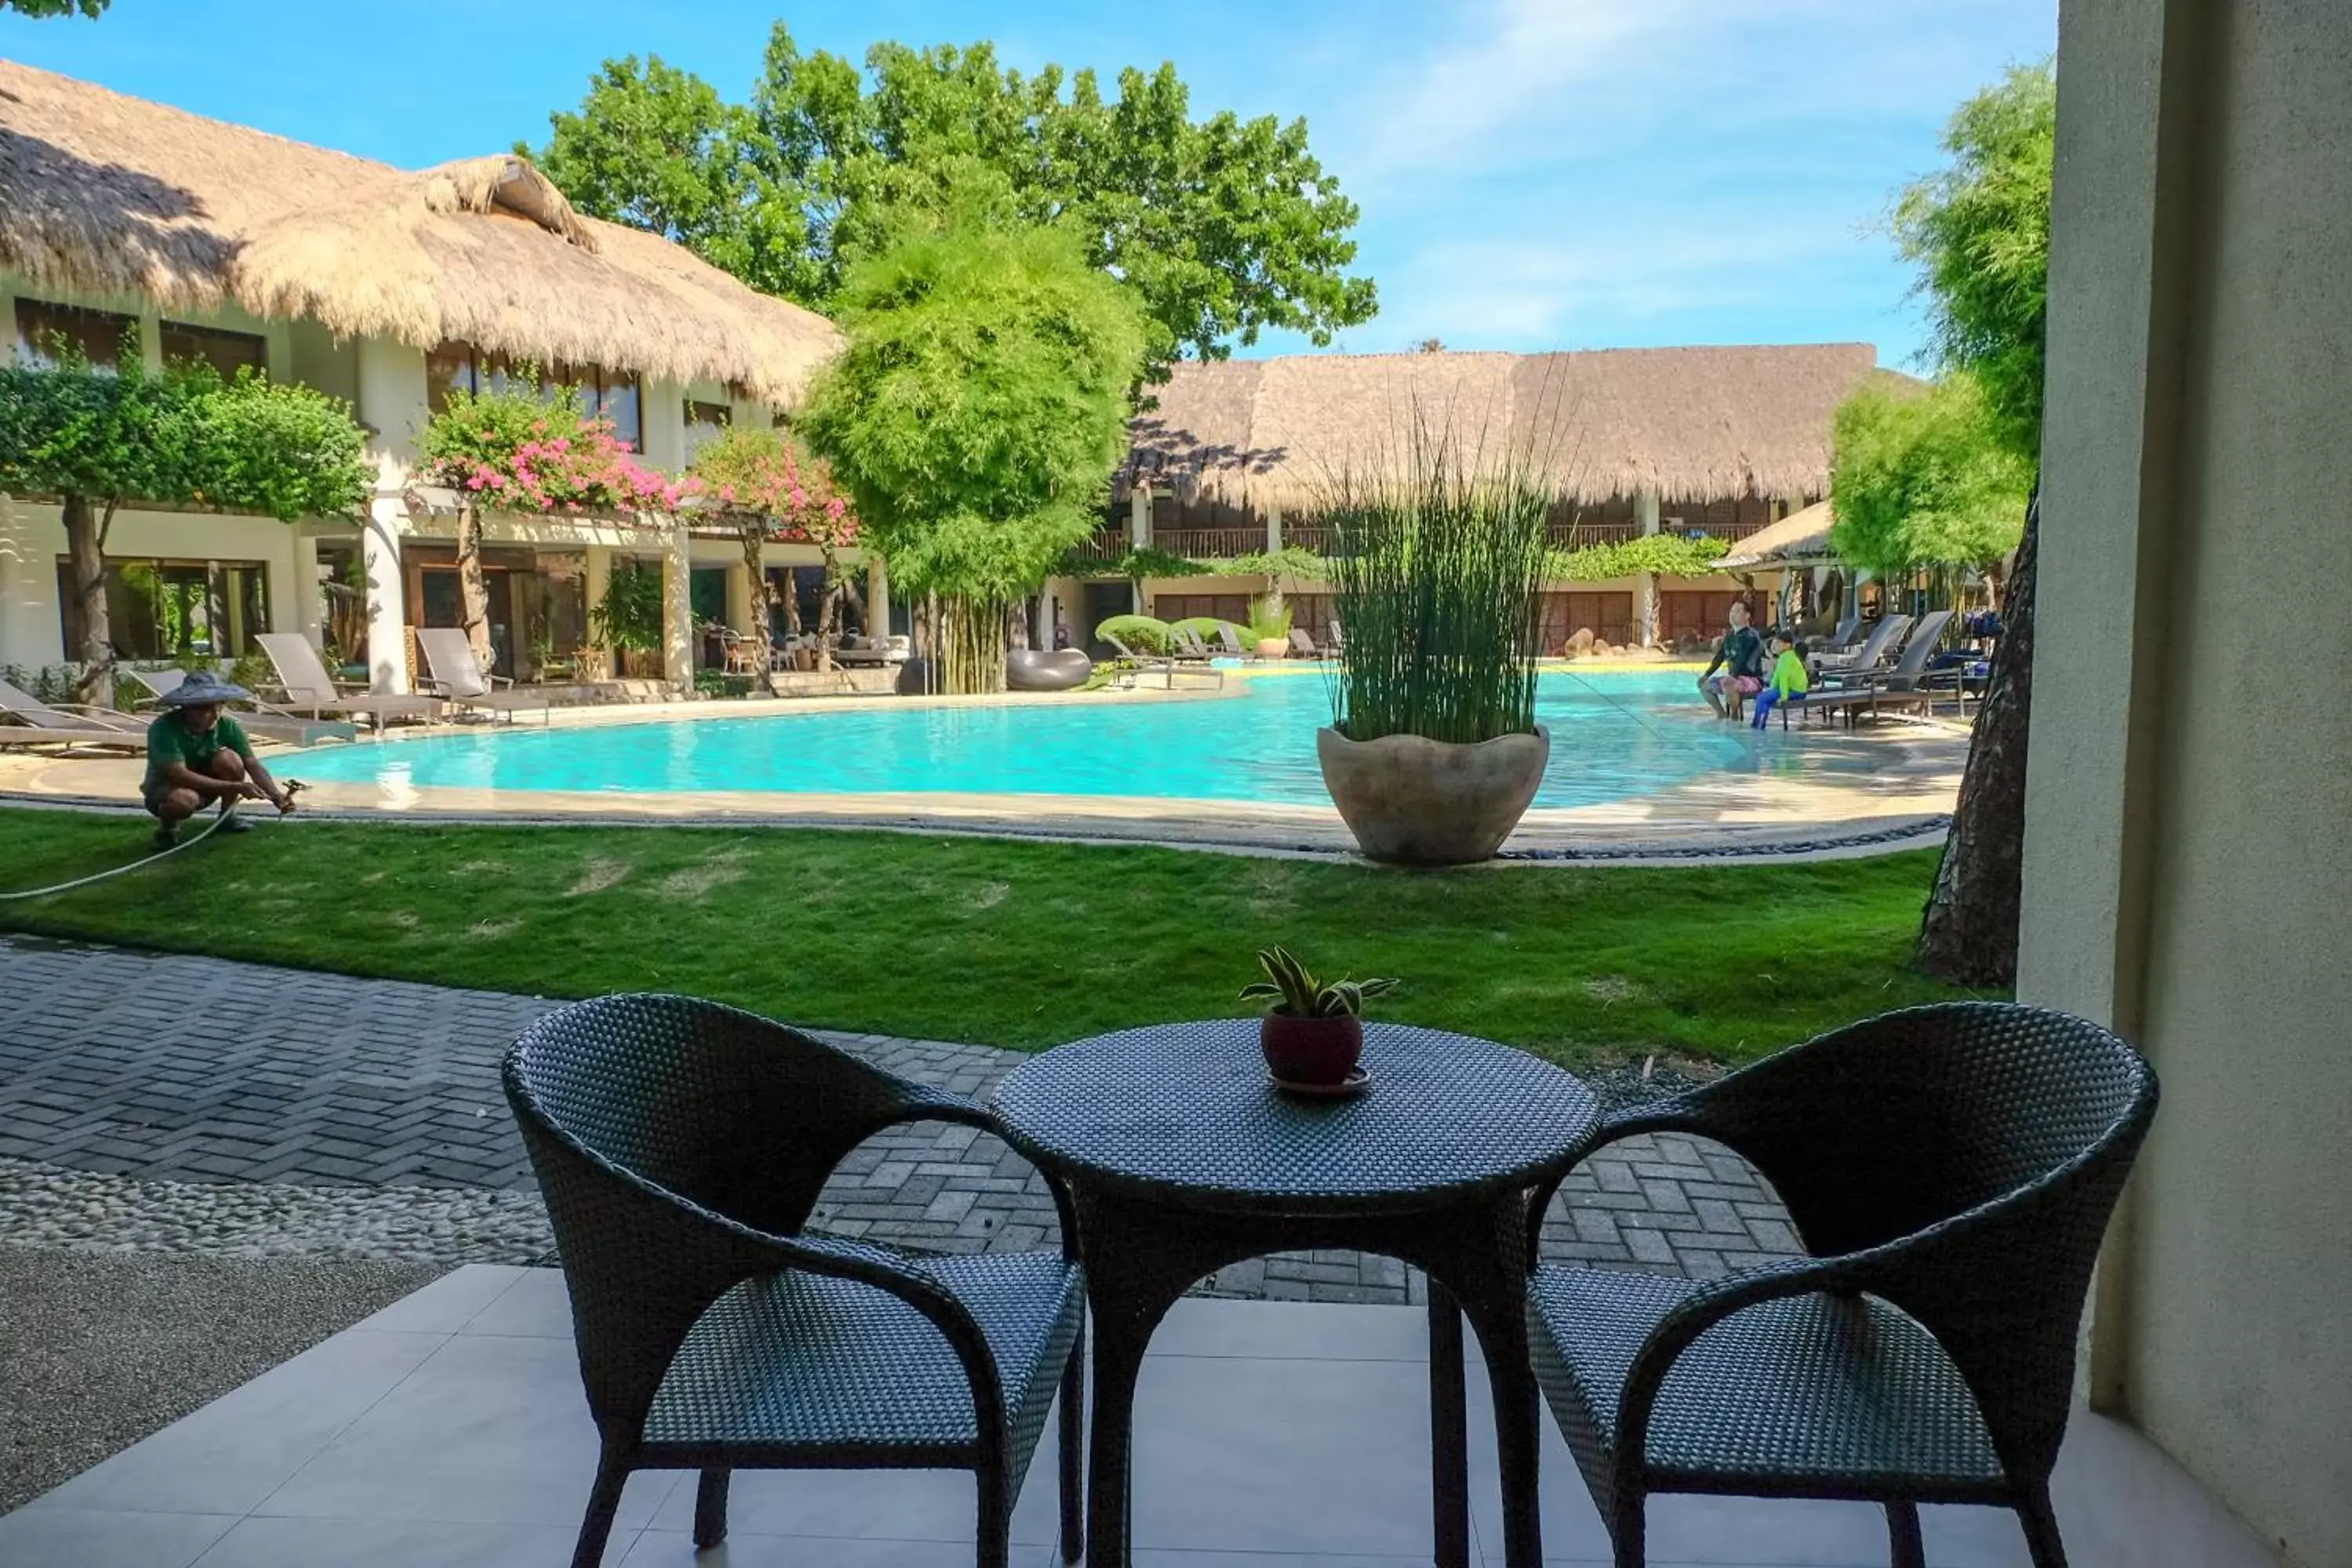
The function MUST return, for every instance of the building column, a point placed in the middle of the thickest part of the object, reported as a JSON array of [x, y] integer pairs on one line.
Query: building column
[[1273, 547], [309, 607], [1041, 630], [32, 621], [1139, 537], [387, 596], [877, 597], [596, 576], [678, 607], [1645, 595], [739, 596]]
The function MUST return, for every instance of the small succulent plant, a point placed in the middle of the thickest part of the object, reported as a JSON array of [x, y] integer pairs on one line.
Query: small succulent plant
[[1290, 989]]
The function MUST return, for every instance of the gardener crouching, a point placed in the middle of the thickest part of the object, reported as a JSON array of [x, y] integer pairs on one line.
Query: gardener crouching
[[198, 756]]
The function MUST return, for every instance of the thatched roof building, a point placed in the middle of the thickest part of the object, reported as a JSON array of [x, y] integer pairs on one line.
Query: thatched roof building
[[117, 196], [1690, 423], [1800, 539]]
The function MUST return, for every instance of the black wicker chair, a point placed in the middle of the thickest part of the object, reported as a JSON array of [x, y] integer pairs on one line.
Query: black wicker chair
[[680, 1146], [1952, 1169]]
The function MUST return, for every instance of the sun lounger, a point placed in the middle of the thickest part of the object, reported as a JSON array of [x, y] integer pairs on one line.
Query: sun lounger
[[1905, 685], [1187, 645], [1302, 645], [1230, 640], [40, 723], [311, 690], [454, 672], [1875, 649], [1128, 663], [265, 722]]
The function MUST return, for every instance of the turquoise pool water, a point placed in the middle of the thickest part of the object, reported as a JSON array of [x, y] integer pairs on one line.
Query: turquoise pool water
[[1615, 734]]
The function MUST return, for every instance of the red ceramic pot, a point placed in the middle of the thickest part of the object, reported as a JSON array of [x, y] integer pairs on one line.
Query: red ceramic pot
[[1320, 1051]]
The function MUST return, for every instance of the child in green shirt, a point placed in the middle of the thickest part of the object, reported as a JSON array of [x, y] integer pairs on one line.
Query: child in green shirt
[[1786, 683]]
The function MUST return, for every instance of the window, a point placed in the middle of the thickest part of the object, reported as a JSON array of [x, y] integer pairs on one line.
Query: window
[[703, 421], [42, 328], [225, 351], [174, 609], [1171, 607], [456, 366]]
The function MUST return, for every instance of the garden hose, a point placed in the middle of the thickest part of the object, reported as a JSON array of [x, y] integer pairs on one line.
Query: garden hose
[[228, 809]]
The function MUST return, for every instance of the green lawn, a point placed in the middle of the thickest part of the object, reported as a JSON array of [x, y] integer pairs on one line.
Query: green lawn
[[1011, 943]]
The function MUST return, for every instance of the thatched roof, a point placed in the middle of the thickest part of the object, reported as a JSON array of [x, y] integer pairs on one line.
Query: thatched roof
[[1802, 538], [1693, 423], [117, 196]]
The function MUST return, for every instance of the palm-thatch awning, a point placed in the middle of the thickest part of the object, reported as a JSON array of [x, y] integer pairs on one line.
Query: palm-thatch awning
[[1800, 539], [112, 194], [1692, 424]]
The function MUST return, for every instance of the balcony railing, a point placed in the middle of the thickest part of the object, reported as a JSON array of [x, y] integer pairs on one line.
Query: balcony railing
[[1105, 547], [1577, 535], [1210, 544]]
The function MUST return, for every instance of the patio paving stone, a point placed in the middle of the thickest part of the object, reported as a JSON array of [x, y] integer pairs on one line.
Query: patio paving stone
[[324, 1082]]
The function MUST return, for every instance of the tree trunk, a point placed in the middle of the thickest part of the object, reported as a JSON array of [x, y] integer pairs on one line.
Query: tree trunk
[[473, 592], [85, 547], [1968, 933], [828, 615], [755, 538]]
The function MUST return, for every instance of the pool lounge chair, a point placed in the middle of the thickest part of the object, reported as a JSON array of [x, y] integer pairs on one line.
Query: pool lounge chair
[[311, 692], [1230, 642], [1187, 645], [1876, 650], [1302, 645], [40, 723], [265, 722], [1903, 687], [457, 674], [1126, 663]]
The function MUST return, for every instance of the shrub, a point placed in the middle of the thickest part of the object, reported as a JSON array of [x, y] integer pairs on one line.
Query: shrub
[[1269, 621], [1141, 633]]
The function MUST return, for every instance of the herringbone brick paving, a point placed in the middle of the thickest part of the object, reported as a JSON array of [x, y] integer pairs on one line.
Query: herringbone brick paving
[[199, 1070]]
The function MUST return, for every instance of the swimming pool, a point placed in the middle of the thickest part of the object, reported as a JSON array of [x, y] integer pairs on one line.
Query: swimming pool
[[1615, 734]]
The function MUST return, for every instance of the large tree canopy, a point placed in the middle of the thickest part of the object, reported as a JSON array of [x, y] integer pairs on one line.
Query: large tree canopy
[[1926, 480], [1224, 227], [980, 405], [1978, 231], [54, 7]]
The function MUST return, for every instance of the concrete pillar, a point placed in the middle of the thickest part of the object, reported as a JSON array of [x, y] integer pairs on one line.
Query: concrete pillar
[[1273, 528], [391, 404], [678, 607], [387, 596], [1041, 635], [739, 598], [877, 597], [1138, 516], [1645, 596], [309, 604], [31, 619], [596, 577]]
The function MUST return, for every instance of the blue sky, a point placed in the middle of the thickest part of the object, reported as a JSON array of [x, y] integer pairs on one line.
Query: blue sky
[[1534, 174]]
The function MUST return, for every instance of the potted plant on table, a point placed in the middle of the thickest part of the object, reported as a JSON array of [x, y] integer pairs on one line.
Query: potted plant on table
[[1312, 1033], [1433, 752]]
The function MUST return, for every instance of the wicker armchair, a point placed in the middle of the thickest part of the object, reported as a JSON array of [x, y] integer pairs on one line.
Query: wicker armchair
[[680, 1146], [1952, 1169]]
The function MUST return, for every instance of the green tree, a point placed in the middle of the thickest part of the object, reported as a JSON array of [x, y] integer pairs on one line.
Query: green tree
[[758, 483], [91, 8], [1979, 232], [978, 411], [96, 438], [1925, 480], [1225, 227]]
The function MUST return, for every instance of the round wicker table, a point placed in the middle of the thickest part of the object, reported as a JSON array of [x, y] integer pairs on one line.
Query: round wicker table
[[1181, 1158]]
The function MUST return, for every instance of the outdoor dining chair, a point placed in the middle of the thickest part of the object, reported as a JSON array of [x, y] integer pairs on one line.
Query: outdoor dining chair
[[1951, 1169], [680, 1147]]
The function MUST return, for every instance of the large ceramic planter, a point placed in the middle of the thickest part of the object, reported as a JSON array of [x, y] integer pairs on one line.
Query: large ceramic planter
[[1420, 802], [1272, 647]]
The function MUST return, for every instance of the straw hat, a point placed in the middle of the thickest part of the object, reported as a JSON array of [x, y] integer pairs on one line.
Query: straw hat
[[203, 689]]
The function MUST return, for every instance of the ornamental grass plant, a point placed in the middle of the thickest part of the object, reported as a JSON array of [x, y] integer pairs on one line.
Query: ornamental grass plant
[[1438, 553]]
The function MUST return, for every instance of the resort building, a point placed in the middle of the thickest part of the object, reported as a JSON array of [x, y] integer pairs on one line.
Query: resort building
[[130, 227], [1236, 460]]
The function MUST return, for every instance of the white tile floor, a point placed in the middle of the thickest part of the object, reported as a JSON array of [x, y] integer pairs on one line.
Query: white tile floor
[[449, 1431]]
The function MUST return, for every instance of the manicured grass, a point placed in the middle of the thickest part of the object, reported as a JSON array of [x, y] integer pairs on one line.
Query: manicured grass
[[1009, 943]]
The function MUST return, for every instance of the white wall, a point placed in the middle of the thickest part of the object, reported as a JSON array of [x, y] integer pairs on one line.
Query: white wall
[[2188, 844]]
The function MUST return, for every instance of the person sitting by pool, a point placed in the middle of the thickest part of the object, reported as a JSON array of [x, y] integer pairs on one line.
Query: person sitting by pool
[[1740, 657], [1788, 681], [199, 757]]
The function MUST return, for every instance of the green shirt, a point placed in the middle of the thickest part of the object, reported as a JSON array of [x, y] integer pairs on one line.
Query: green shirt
[[169, 741], [1789, 677]]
